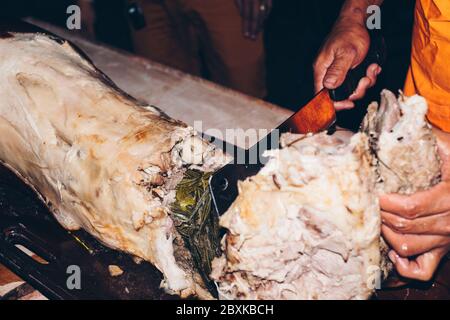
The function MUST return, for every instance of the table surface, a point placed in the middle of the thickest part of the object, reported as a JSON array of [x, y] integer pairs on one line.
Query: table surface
[[191, 100]]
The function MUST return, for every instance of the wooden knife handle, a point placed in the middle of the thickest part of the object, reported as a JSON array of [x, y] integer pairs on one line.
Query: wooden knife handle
[[376, 54]]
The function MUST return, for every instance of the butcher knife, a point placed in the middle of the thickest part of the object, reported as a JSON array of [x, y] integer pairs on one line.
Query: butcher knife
[[316, 116]]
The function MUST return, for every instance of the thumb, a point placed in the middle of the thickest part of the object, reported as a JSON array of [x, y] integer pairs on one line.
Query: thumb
[[421, 268], [338, 69]]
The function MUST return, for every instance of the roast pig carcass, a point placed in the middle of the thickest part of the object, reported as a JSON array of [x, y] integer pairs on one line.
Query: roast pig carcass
[[307, 226], [99, 159]]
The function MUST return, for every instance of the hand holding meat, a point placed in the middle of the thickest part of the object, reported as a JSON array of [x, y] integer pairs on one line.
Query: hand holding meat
[[419, 225], [412, 166]]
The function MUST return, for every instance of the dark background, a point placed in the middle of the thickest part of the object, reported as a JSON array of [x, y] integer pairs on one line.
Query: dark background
[[294, 33]]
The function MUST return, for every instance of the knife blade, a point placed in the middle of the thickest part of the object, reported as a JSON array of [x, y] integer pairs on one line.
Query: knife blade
[[316, 116]]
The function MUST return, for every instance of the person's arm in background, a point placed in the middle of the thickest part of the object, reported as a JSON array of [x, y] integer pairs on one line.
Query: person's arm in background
[[87, 17], [253, 13], [345, 48]]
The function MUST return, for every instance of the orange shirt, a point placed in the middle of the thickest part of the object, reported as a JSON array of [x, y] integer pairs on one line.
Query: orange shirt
[[429, 73]]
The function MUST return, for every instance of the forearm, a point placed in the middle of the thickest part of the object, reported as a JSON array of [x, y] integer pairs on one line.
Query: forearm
[[87, 17], [356, 10]]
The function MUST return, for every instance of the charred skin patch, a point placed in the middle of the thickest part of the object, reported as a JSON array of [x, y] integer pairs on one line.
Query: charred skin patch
[[141, 135]]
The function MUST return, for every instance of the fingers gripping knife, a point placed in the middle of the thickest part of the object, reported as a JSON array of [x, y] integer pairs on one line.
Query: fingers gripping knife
[[317, 115]]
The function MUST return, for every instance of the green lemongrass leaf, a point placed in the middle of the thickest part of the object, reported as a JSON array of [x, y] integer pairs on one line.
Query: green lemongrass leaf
[[196, 222]]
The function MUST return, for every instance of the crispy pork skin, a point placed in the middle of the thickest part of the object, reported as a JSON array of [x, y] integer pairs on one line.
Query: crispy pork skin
[[307, 226], [99, 159]]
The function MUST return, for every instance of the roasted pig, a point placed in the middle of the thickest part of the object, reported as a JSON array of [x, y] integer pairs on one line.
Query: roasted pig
[[103, 161]]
